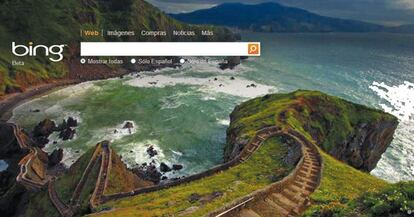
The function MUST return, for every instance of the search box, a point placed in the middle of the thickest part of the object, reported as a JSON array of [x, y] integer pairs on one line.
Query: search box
[[170, 49]]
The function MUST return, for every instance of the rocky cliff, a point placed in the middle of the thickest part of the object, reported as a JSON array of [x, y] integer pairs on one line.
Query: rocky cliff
[[352, 133]]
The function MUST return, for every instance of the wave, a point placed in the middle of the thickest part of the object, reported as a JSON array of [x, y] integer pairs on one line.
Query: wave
[[397, 163], [114, 133], [135, 154], [219, 84], [399, 98]]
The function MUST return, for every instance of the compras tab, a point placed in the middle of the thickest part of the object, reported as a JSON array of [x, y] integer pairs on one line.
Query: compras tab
[[153, 33]]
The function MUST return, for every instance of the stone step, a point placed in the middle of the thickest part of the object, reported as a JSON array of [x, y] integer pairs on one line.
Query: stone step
[[248, 213], [308, 181], [281, 210], [264, 209], [292, 195], [307, 175], [295, 189], [311, 168], [311, 164], [304, 186], [283, 201]]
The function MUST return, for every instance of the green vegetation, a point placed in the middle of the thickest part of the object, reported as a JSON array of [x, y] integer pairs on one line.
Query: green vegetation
[[65, 186], [395, 200], [341, 183], [264, 167], [40, 205], [327, 119], [321, 118], [51, 22]]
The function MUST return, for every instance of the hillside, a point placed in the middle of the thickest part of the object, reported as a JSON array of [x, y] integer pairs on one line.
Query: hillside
[[274, 17], [336, 125], [59, 22], [120, 180], [323, 119]]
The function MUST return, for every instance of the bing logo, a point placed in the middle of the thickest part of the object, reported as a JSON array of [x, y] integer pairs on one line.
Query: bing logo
[[23, 50]]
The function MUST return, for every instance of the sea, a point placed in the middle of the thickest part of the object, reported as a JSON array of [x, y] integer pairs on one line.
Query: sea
[[184, 112]]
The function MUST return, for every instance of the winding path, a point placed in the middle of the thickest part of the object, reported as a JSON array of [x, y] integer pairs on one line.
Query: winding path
[[288, 197], [62, 208], [81, 184], [26, 162], [102, 180]]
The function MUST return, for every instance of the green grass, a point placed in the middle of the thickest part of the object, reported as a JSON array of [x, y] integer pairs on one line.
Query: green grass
[[236, 182], [393, 200], [323, 119], [40, 205], [65, 186], [327, 119], [341, 183]]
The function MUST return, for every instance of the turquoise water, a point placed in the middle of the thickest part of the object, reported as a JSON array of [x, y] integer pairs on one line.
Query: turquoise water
[[185, 114]]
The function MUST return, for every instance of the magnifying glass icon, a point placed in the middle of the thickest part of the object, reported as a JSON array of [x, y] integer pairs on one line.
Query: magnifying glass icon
[[253, 48]]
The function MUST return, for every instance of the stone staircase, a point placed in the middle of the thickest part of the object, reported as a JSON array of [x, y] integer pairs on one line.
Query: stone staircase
[[294, 197], [287, 197]]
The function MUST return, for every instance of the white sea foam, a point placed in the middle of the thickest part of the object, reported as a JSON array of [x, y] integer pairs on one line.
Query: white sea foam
[[176, 152], [400, 99], [135, 154], [219, 84], [76, 90], [397, 163], [225, 122], [70, 156], [114, 133]]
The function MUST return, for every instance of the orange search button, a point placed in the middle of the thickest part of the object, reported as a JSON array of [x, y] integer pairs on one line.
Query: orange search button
[[253, 49]]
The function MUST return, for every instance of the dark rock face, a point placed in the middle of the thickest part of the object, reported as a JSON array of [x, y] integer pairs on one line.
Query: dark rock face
[[231, 63], [71, 122], [151, 151], [364, 148], [148, 172], [67, 133], [128, 125], [44, 128], [55, 157], [8, 143], [164, 168], [177, 167], [10, 191]]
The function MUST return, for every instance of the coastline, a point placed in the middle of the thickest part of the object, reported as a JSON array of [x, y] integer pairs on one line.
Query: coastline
[[13, 100]]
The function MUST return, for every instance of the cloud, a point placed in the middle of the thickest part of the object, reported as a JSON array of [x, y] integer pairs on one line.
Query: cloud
[[392, 12]]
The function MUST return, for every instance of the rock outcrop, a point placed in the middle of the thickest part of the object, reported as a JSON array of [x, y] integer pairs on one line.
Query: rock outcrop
[[352, 133], [8, 143], [55, 157], [230, 63], [364, 148], [44, 128]]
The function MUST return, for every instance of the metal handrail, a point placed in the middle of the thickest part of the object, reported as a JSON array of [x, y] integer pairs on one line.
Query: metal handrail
[[235, 207]]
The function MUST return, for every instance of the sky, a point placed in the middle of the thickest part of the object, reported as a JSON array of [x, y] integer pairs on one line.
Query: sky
[[387, 12]]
